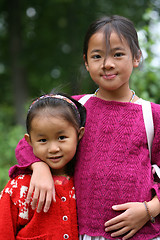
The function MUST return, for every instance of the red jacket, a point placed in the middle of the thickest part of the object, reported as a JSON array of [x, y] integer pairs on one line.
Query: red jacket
[[19, 221]]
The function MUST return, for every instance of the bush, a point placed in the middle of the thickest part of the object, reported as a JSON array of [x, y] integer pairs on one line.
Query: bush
[[9, 137]]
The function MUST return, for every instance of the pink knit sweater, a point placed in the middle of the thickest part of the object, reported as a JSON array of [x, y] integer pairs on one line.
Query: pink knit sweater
[[113, 164]]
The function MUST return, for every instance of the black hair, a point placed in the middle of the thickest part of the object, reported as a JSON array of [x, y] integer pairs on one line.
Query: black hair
[[76, 115], [73, 112], [118, 24]]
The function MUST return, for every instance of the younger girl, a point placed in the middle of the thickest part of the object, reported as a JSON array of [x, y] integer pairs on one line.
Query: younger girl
[[115, 189], [55, 124]]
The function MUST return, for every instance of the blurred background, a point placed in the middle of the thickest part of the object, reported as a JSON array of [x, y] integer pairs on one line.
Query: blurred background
[[41, 46]]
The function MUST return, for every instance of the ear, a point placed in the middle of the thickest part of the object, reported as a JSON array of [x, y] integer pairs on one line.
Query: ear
[[137, 59], [85, 61], [27, 138], [81, 133]]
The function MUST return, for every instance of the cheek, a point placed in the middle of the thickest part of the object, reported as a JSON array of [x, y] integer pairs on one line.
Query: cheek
[[38, 150], [75, 147], [72, 150], [92, 70]]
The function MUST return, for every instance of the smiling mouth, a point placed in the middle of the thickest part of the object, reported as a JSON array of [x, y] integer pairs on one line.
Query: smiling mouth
[[109, 76], [55, 159]]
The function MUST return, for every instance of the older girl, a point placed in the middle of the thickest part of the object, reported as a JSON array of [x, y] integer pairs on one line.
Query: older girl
[[115, 189]]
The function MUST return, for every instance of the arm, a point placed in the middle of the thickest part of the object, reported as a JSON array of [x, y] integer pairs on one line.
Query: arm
[[41, 180], [25, 157], [8, 218], [132, 219], [43, 186]]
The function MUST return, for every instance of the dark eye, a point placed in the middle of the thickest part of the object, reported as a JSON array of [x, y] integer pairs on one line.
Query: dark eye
[[61, 138], [97, 56], [119, 54], [42, 140]]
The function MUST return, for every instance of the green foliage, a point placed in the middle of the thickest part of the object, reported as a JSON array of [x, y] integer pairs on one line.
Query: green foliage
[[50, 35], [145, 84], [145, 81], [52, 40], [3, 177], [9, 137]]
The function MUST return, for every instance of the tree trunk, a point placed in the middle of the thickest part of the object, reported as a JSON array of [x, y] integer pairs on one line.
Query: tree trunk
[[18, 76]]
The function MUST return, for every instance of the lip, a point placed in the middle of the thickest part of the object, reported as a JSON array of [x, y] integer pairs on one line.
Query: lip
[[55, 158], [109, 76]]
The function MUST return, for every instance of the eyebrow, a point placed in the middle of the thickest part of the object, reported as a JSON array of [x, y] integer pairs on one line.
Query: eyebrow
[[96, 50], [41, 135], [111, 49], [44, 135], [117, 48], [61, 132]]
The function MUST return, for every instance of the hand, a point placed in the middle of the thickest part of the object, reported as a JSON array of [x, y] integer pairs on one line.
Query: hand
[[42, 185], [129, 222]]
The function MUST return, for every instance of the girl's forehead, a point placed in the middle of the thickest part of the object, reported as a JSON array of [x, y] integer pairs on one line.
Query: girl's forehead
[[49, 115], [101, 38], [48, 121]]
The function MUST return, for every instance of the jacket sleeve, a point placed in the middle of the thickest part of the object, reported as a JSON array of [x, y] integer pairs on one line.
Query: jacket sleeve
[[155, 153], [25, 157], [8, 218]]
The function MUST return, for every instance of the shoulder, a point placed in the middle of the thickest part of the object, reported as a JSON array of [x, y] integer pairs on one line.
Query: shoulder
[[77, 97], [155, 111], [17, 187], [23, 179], [85, 98], [155, 107]]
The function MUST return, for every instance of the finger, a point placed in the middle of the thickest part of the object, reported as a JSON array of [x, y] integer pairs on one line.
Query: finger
[[48, 202], [29, 194], [115, 227], [35, 198], [41, 201], [121, 207], [129, 235], [120, 232], [114, 220], [54, 195]]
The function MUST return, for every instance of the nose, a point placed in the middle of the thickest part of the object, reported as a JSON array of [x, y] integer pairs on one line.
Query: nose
[[53, 147], [108, 62]]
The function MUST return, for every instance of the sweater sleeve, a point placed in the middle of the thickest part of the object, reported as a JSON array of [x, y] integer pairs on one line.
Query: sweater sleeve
[[8, 218], [25, 157], [155, 158]]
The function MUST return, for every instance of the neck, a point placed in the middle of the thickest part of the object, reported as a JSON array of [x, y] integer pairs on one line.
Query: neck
[[120, 96], [59, 172]]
